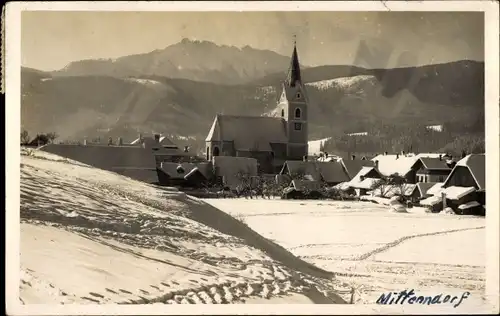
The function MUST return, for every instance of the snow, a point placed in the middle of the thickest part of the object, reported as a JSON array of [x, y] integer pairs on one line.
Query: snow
[[456, 193], [314, 145], [432, 200], [145, 81], [436, 189], [468, 205], [90, 236], [373, 249], [343, 83]]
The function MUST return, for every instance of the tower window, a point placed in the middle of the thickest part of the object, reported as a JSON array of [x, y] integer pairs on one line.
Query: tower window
[[215, 152], [282, 113], [299, 95], [298, 126], [297, 113]]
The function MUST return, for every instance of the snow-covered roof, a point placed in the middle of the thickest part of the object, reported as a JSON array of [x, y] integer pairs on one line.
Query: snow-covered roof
[[468, 205], [476, 165], [456, 193], [436, 189], [430, 201], [401, 164]]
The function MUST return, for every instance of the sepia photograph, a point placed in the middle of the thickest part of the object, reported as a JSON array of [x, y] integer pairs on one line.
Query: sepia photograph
[[241, 154]]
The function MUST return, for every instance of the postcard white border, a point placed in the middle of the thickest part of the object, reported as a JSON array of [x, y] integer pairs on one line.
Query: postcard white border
[[13, 83]]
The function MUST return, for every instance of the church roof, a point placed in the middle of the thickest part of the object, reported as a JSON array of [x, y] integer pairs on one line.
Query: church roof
[[248, 132], [294, 71]]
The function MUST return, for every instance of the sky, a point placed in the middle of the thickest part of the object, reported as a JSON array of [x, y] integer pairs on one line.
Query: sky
[[50, 39]]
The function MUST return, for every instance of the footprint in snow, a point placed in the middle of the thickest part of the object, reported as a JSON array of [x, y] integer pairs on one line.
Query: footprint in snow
[[96, 294], [155, 287], [175, 283], [145, 292], [109, 290], [90, 299], [125, 291], [165, 284]]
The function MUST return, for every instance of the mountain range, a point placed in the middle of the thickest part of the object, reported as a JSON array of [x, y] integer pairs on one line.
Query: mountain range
[[179, 90]]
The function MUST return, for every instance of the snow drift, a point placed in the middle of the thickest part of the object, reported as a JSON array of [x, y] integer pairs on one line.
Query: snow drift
[[92, 236]]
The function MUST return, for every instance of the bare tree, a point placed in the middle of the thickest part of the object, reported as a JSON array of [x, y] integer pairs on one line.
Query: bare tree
[[394, 182], [25, 137], [51, 136]]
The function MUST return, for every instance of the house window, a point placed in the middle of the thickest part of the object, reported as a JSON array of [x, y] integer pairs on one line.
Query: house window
[[440, 179], [282, 113], [297, 113], [298, 126]]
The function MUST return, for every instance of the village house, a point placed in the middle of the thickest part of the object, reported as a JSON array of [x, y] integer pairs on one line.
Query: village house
[[404, 165], [433, 170], [464, 189], [329, 173], [138, 161], [269, 140], [193, 175], [363, 181]]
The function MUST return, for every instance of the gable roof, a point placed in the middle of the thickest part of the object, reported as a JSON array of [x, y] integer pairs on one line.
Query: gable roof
[[150, 141], [248, 132], [229, 167], [476, 163], [305, 185], [423, 187], [434, 163], [356, 180], [328, 171], [353, 167], [400, 164]]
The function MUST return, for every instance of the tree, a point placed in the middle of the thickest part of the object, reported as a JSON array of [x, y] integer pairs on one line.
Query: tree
[[25, 137], [51, 136], [393, 183]]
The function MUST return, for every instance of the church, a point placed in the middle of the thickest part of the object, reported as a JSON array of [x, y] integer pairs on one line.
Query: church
[[270, 140]]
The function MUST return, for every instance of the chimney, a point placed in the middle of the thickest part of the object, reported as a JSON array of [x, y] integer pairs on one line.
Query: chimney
[[397, 156], [110, 141], [353, 157], [464, 154], [326, 154], [385, 153], [120, 141], [440, 157], [304, 158], [85, 142], [157, 138], [140, 138], [375, 163]]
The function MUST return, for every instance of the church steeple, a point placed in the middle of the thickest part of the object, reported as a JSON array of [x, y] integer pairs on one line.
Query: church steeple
[[294, 71]]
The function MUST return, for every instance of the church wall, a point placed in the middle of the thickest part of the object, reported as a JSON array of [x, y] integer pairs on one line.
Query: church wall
[[279, 150], [264, 159], [297, 152]]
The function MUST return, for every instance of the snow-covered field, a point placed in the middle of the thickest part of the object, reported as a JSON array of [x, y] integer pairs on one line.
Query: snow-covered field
[[90, 236], [375, 250]]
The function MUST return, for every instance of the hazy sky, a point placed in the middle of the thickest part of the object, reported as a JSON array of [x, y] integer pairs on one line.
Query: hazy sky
[[50, 40]]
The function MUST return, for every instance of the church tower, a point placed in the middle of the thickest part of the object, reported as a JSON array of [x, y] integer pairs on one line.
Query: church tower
[[292, 107]]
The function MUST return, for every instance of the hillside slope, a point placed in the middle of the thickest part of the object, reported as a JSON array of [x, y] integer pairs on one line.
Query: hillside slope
[[109, 106], [92, 236]]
